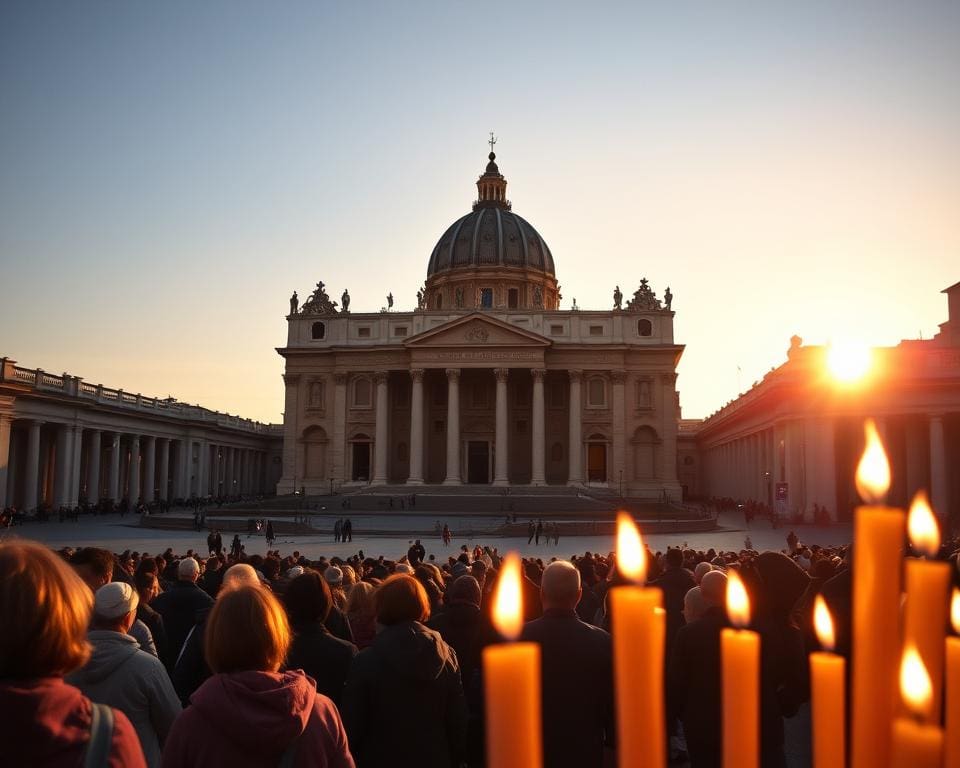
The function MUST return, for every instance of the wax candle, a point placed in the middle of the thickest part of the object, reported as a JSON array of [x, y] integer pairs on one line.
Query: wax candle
[[511, 674], [928, 584], [877, 556], [952, 745], [638, 645], [827, 680], [916, 743], [740, 652]]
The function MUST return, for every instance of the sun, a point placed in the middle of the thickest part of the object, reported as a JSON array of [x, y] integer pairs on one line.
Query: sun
[[848, 361]]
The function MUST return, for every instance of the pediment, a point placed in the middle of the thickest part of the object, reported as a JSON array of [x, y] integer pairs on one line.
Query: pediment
[[476, 330]]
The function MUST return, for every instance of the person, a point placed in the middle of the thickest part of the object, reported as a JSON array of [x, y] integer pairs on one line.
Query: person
[[179, 606], [747, 542], [325, 658], [337, 528], [416, 553], [412, 664], [212, 576], [539, 531], [675, 582], [792, 541], [446, 535], [236, 546], [347, 528], [269, 534], [531, 531], [694, 605], [577, 665], [148, 588], [248, 712], [361, 614], [45, 611], [118, 673]]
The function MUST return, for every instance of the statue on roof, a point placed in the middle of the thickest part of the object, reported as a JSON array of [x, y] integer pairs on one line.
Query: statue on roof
[[538, 297], [294, 303], [319, 303], [617, 298], [644, 299], [667, 298], [419, 298], [345, 301], [390, 300]]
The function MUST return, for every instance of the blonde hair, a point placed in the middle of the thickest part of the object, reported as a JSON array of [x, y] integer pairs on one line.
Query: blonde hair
[[360, 599], [45, 609], [247, 630]]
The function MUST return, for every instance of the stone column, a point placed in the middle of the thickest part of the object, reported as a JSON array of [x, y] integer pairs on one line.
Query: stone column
[[61, 467], [575, 449], [453, 427], [667, 449], [164, 469], [416, 427], [93, 467], [339, 447], [938, 467], [381, 444], [5, 426], [32, 484], [134, 484], [113, 472], [538, 475], [149, 469], [73, 489], [619, 420], [291, 411], [501, 444]]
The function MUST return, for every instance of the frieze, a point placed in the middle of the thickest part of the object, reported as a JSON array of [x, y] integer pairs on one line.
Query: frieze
[[479, 356]]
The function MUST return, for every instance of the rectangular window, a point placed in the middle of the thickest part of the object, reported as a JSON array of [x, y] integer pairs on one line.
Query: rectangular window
[[596, 392], [596, 330], [400, 330], [513, 298], [486, 298], [556, 330], [364, 332]]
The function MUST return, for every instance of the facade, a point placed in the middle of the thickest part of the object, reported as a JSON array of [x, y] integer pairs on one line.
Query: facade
[[793, 441], [486, 381], [63, 441]]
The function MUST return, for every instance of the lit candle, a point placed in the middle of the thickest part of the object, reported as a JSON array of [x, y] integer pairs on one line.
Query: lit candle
[[638, 644], [952, 756], [928, 585], [877, 558], [916, 743], [511, 674], [827, 680], [740, 650]]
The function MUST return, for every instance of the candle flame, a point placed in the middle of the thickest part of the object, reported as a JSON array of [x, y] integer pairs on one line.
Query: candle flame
[[508, 600], [873, 471], [738, 604], [955, 610], [915, 685], [922, 526], [823, 623], [631, 556]]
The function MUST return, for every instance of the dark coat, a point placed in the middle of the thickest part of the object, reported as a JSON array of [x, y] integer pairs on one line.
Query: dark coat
[[339, 625], [323, 657], [190, 668], [403, 704], [577, 689], [180, 606], [154, 622], [674, 583]]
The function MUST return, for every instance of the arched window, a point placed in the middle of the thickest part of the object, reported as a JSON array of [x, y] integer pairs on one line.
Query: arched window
[[644, 327], [361, 393], [319, 330], [596, 392]]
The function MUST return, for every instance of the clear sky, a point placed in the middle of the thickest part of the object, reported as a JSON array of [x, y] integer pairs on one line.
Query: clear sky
[[170, 172]]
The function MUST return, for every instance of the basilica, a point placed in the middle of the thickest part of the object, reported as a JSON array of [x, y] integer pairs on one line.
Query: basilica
[[487, 380]]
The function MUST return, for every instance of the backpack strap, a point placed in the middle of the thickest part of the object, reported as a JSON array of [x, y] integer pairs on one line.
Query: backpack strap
[[101, 736]]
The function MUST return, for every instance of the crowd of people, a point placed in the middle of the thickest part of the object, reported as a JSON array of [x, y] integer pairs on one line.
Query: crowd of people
[[278, 659]]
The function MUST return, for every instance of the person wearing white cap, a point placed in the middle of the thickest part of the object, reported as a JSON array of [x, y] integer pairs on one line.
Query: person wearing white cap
[[180, 605], [123, 676]]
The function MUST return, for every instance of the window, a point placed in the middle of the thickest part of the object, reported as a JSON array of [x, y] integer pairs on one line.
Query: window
[[556, 330], [361, 393], [400, 330], [644, 327], [596, 392], [644, 396], [596, 330], [364, 332], [513, 298], [486, 298], [319, 330], [315, 399]]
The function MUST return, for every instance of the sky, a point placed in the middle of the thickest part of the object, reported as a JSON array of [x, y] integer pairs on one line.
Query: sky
[[171, 172]]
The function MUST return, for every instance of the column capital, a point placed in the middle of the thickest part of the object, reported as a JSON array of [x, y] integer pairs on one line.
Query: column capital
[[538, 373], [417, 374], [380, 377], [291, 379], [340, 378], [501, 374], [575, 374], [668, 378], [618, 377], [453, 374]]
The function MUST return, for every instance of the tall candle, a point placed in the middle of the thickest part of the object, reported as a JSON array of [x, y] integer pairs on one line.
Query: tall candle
[[877, 555], [511, 675], [638, 645], [827, 680], [952, 744], [928, 583], [916, 743], [740, 652]]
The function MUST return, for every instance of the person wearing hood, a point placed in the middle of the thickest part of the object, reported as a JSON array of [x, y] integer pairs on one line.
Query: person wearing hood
[[118, 673], [249, 713], [44, 611], [410, 663]]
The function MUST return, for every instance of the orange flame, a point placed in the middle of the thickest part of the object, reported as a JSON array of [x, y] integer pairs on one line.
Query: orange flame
[[955, 610], [823, 623], [508, 600], [631, 556], [873, 471], [915, 685], [922, 526], [738, 604]]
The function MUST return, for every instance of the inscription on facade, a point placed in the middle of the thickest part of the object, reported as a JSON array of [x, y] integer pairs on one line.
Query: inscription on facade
[[479, 356]]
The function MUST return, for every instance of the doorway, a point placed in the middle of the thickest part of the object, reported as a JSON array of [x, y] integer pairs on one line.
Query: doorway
[[596, 462], [361, 462], [478, 461]]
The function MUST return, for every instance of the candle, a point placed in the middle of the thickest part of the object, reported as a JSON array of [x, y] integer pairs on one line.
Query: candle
[[639, 629], [740, 651], [928, 584], [827, 680], [877, 556], [952, 751], [512, 681], [916, 743]]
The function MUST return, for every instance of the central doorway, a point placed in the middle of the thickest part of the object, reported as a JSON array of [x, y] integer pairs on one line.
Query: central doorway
[[596, 462], [361, 461], [478, 461]]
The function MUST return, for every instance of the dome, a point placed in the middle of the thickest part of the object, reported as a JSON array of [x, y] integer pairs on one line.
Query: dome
[[490, 236]]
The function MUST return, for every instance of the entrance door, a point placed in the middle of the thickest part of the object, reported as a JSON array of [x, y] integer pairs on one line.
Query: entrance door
[[361, 461], [478, 461], [596, 462]]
